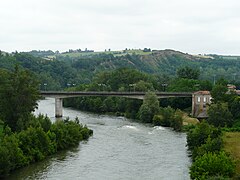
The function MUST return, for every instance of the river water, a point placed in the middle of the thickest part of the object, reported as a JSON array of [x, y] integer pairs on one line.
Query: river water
[[119, 149]]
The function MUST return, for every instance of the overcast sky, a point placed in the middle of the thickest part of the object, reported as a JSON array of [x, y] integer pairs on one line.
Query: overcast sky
[[193, 26]]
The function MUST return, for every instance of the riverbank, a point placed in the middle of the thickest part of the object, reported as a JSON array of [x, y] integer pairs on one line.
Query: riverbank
[[210, 159], [38, 141], [119, 149]]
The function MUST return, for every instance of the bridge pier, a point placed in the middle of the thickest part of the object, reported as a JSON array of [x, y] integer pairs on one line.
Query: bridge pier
[[58, 107]]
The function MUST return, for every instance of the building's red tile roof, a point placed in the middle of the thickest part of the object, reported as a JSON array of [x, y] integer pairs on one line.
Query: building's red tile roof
[[202, 92], [230, 86]]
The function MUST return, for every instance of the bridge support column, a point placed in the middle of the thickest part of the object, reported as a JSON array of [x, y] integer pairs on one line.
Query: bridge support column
[[58, 107]]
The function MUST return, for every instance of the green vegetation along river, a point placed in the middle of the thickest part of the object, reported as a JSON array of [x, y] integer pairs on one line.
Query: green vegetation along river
[[119, 149]]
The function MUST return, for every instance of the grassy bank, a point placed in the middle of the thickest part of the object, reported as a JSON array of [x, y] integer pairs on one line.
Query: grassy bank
[[189, 120], [232, 146]]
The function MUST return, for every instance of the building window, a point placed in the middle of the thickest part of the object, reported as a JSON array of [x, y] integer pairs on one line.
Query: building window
[[198, 99], [210, 99], [204, 99]]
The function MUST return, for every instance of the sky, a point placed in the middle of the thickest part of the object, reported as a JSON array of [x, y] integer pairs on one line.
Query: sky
[[192, 26]]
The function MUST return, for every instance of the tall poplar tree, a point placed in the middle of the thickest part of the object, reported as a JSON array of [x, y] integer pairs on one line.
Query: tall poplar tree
[[19, 94], [149, 108]]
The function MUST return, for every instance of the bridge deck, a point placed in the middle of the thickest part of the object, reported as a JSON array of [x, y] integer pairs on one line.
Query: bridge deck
[[105, 93]]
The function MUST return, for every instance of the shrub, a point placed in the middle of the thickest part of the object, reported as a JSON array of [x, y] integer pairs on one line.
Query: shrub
[[177, 121], [145, 114], [211, 145], [5, 164], [165, 117], [168, 115], [86, 132], [236, 124], [158, 120], [11, 156], [35, 144], [199, 135], [69, 133], [188, 127], [212, 164], [40, 121]]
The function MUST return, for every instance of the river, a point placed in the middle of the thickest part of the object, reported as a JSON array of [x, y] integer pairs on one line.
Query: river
[[119, 149]]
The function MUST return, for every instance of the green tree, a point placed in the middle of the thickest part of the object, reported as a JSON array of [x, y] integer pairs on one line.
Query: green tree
[[211, 145], [35, 144], [164, 117], [235, 108], [12, 156], [188, 73], [183, 85], [219, 115], [149, 108], [218, 93], [199, 135], [143, 86], [177, 121], [19, 94], [109, 104], [212, 164]]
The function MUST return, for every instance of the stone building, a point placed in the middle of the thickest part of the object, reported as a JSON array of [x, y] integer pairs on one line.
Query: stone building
[[200, 100]]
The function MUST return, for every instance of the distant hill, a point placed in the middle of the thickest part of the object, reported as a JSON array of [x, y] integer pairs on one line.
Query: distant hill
[[151, 61], [59, 70], [157, 62]]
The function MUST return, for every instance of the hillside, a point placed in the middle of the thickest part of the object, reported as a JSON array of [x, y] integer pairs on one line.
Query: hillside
[[158, 62], [59, 70], [163, 61]]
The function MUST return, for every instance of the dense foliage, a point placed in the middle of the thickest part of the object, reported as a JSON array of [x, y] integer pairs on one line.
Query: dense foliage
[[160, 62], [118, 80], [155, 71], [200, 135], [168, 117], [125, 79], [188, 73], [25, 138], [219, 115], [51, 74], [57, 71], [205, 140], [209, 161], [212, 165], [19, 95], [224, 109], [149, 108], [39, 140]]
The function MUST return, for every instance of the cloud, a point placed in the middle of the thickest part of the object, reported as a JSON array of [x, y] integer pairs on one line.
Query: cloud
[[194, 26]]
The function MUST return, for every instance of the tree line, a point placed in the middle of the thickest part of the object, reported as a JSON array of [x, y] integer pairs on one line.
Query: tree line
[[67, 71], [149, 111]]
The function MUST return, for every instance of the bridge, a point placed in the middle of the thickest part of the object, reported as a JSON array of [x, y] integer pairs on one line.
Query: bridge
[[60, 95], [134, 95], [200, 99]]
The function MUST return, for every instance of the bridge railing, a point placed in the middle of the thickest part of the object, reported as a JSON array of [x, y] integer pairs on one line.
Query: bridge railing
[[111, 93]]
